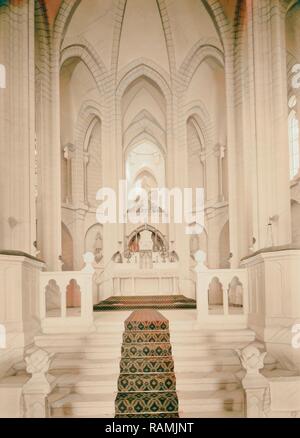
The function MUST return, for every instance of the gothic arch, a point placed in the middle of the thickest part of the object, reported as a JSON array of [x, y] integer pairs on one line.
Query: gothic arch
[[196, 123], [194, 59], [163, 11], [144, 136], [147, 68], [198, 111], [62, 20], [90, 58], [144, 170], [150, 228], [217, 14], [68, 8], [144, 124], [118, 24], [88, 112]]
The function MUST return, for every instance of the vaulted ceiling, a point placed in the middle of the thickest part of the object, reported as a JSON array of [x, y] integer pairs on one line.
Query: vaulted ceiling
[[53, 6]]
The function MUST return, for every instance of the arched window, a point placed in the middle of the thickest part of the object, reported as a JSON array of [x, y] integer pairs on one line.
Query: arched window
[[293, 126]]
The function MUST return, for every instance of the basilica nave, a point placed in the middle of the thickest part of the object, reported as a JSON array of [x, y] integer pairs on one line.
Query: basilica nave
[[164, 317]]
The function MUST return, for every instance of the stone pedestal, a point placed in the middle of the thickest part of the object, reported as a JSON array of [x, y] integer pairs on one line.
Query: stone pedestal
[[254, 384], [19, 304], [37, 388], [274, 301], [17, 127], [255, 390]]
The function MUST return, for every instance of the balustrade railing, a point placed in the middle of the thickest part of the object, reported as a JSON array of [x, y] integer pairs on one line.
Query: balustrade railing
[[66, 300], [222, 296]]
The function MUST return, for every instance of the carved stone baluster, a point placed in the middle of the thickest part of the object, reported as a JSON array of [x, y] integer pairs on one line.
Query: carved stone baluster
[[37, 388], [254, 383]]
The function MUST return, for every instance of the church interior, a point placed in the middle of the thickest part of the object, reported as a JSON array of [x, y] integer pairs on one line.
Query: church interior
[[157, 318]]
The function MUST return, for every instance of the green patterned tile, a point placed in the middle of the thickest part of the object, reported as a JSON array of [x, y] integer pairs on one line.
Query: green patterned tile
[[147, 382], [144, 336], [147, 415], [151, 349], [147, 365], [147, 325], [146, 402]]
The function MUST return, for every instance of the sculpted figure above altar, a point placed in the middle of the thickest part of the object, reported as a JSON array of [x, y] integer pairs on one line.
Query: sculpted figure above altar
[[148, 237]]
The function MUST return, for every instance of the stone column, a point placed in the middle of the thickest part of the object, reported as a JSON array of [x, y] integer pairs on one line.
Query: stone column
[[49, 148], [270, 157], [86, 159], [202, 285], [212, 177], [78, 241], [69, 150], [232, 87], [202, 157], [220, 154], [17, 128]]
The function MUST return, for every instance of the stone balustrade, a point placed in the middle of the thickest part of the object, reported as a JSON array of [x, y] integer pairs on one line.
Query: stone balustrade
[[222, 295], [66, 299], [275, 396]]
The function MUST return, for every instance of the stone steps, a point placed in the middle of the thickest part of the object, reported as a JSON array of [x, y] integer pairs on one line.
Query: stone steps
[[193, 381], [88, 366], [206, 381], [113, 352], [211, 401], [88, 384], [234, 338], [83, 405], [88, 340], [192, 403], [151, 402], [213, 414]]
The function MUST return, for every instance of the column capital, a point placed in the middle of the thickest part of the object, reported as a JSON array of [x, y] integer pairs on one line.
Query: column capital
[[202, 155], [219, 150], [69, 151]]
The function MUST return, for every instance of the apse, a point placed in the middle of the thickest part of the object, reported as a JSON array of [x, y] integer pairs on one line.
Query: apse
[[145, 167]]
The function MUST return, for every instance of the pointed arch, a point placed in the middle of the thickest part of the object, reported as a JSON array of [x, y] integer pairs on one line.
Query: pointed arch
[[147, 68], [144, 125], [198, 54], [90, 58]]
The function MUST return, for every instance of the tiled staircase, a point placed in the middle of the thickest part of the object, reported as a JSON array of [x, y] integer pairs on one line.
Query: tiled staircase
[[147, 384], [205, 363]]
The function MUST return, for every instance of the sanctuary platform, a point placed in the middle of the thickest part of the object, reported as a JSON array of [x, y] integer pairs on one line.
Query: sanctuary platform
[[145, 302]]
